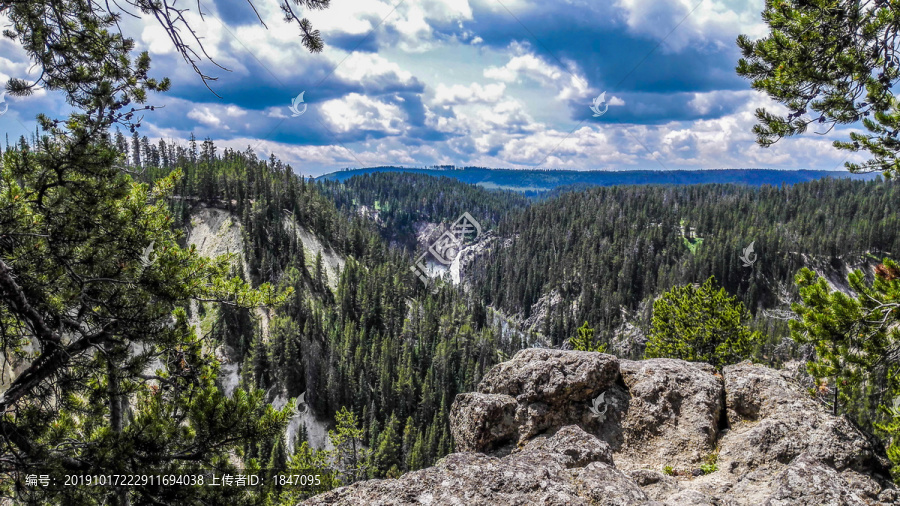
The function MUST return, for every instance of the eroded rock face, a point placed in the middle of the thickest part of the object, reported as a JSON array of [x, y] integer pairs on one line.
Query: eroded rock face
[[555, 470], [782, 443], [549, 440], [674, 413], [482, 422], [788, 423], [551, 388]]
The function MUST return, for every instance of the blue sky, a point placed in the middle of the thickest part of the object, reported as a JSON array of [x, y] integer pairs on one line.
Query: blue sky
[[505, 83]]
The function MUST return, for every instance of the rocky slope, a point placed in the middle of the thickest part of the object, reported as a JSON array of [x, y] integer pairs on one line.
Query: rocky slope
[[215, 232], [557, 427]]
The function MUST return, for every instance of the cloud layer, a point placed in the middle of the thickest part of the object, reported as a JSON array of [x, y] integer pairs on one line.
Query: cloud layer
[[466, 82]]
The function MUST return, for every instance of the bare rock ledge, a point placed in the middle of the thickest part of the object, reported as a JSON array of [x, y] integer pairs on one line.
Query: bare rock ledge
[[535, 433]]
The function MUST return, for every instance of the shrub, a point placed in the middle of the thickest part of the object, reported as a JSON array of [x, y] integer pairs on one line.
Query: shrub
[[709, 468], [710, 462], [584, 340], [700, 324]]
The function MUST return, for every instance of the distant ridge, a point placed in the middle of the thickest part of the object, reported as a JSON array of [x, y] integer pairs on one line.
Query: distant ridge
[[538, 181]]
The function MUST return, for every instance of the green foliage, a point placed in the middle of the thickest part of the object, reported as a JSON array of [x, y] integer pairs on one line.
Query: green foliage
[[830, 63], [80, 52], [890, 429], [387, 455], [305, 461], [709, 468], [278, 456], [607, 253], [669, 471], [99, 308], [94, 281], [855, 339], [349, 457], [710, 462], [584, 340], [701, 324]]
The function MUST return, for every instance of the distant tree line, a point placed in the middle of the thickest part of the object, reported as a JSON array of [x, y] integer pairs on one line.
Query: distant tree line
[[403, 200]]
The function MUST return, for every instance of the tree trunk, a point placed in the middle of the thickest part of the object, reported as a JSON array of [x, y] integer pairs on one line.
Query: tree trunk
[[116, 421], [834, 408]]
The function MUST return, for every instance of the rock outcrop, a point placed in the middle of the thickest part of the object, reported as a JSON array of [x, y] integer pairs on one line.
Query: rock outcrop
[[566, 427], [673, 415], [539, 389], [555, 470]]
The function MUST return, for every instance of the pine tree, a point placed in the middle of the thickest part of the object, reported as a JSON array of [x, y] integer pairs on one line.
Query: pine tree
[[417, 458], [852, 336], [122, 144], [163, 154], [302, 436], [817, 62], [409, 441], [146, 154], [319, 271], [135, 150], [387, 453], [700, 323], [855, 339], [584, 340], [350, 458], [192, 148], [278, 456]]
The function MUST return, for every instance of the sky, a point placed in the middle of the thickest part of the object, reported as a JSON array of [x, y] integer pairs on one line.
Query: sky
[[492, 83]]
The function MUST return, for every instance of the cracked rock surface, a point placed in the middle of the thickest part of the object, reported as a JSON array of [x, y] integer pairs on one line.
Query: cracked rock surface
[[536, 433]]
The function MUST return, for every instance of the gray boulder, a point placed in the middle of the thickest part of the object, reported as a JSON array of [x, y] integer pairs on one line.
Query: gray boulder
[[552, 377], [578, 428], [552, 389], [775, 421], [482, 422], [782, 442], [673, 415], [554, 470]]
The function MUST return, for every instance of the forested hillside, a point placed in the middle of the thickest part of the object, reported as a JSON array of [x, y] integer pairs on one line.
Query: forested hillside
[[398, 201], [535, 182], [588, 253], [379, 344], [595, 259], [608, 248]]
